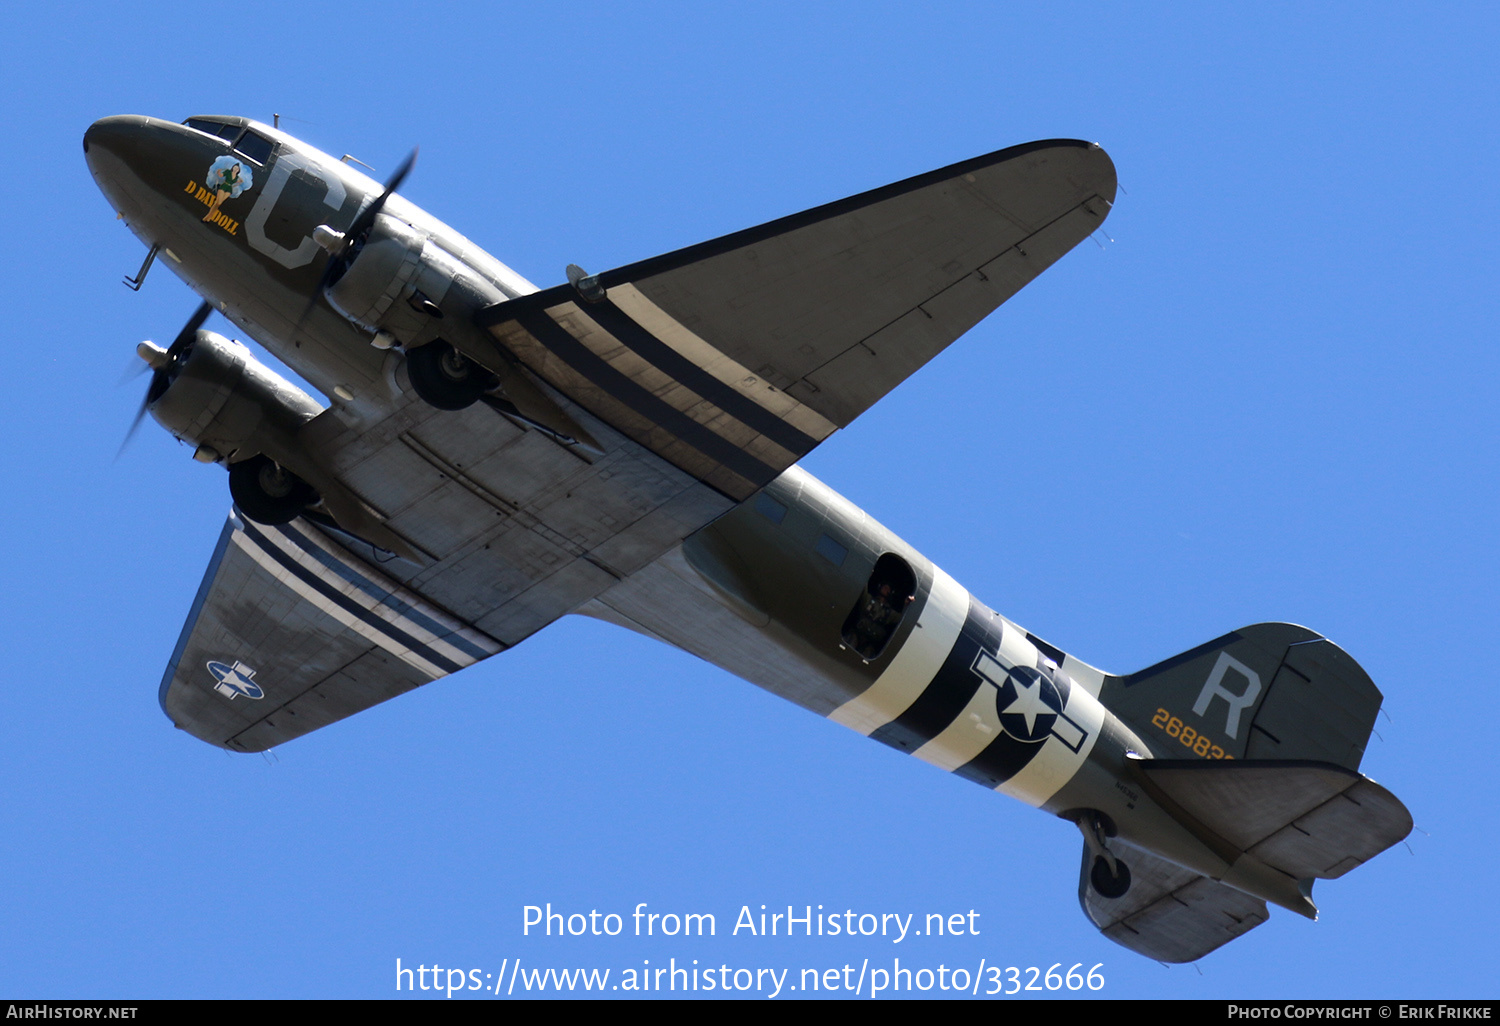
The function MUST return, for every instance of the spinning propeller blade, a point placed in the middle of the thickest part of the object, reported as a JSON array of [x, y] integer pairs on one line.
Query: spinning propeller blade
[[164, 365], [354, 238]]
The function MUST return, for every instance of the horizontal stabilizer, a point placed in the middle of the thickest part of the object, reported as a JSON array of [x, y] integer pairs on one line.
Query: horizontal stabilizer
[[1307, 819], [1169, 913]]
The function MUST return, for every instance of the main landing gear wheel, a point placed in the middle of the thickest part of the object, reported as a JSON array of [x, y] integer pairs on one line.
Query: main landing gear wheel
[[267, 492], [1106, 883], [445, 378]]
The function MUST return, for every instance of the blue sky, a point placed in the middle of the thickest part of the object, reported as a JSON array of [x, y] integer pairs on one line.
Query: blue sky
[[1270, 397]]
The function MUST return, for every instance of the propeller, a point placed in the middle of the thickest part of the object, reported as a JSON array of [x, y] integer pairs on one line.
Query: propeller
[[164, 365], [344, 246]]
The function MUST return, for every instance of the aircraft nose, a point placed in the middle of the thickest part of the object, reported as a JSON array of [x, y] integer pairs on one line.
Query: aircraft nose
[[120, 135]]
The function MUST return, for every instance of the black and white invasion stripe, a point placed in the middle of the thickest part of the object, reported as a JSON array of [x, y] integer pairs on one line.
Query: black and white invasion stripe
[[937, 699], [647, 375], [401, 623]]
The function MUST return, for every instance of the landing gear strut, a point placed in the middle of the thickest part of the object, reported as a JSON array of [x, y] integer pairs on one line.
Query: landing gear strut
[[267, 492], [445, 378], [1109, 876]]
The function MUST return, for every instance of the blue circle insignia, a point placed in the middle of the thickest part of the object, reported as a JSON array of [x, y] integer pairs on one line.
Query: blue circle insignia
[[234, 680], [1028, 704]]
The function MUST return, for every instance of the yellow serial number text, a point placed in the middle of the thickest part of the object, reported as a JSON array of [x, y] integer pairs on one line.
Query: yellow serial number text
[[1187, 736]]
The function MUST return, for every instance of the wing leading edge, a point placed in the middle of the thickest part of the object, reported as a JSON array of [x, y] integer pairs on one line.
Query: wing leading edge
[[733, 358], [290, 632]]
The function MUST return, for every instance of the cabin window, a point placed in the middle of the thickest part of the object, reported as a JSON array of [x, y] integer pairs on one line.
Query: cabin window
[[831, 550], [256, 147], [769, 508], [881, 607]]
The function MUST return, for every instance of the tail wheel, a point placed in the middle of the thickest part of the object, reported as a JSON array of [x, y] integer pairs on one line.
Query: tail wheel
[[1107, 884], [445, 378], [267, 492]]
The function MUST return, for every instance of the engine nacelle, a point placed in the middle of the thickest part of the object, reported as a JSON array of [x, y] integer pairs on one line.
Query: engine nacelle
[[229, 405], [396, 264]]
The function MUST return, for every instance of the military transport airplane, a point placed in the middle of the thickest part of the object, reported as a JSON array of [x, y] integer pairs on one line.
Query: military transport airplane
[[624, 446]]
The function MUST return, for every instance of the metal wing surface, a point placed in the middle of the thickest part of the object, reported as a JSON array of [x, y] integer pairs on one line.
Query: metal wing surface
[[291, 631], [733, 358], [297, 626]]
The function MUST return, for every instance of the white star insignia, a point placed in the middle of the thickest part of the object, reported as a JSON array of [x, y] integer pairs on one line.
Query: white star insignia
[[1028, 701]]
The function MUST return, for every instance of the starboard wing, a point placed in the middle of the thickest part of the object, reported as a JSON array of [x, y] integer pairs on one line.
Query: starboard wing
[[291, 631], [733, 358]]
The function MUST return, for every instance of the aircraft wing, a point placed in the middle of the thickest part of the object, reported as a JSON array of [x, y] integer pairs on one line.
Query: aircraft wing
[[300, 625], [291, 631], [733, 358]]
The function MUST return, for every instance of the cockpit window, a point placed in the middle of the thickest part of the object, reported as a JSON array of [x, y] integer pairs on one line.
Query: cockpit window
[[202, 125], [256, 147], [218, 128]]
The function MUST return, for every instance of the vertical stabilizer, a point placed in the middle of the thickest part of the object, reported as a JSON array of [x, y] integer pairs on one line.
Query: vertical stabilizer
[[1267, 691]]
